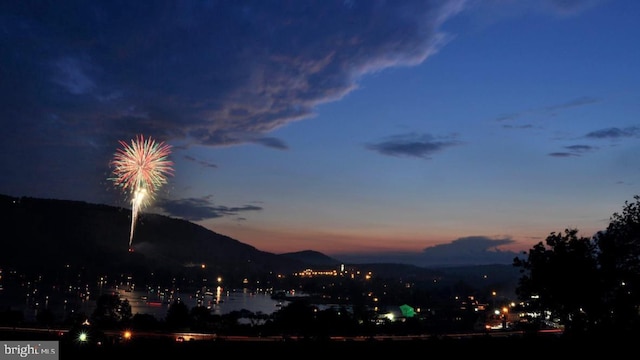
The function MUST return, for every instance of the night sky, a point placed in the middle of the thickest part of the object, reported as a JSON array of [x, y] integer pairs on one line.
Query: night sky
[[426, 132]]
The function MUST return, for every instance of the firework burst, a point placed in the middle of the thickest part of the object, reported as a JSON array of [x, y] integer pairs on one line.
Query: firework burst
[[141, 168]]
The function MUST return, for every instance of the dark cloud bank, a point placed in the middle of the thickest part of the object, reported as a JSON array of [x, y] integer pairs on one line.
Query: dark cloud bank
[[472, 250]]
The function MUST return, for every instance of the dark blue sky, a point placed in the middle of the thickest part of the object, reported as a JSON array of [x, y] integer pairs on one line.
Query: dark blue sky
[[419, 131]]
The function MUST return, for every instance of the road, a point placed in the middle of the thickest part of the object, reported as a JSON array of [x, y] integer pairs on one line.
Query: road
[[33, 332]]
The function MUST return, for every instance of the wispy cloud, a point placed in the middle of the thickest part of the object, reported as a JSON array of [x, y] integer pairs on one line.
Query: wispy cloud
[[413, 145], [547, 110], [571, 7], [581, 101], [525, 126], [197, 209], [70, 73], [574, 150], [272, 142], [561, 154], [614, 133], [200, 162]]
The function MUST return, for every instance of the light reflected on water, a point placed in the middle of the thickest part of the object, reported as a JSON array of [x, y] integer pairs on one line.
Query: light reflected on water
[[154, 301], [220, 302]]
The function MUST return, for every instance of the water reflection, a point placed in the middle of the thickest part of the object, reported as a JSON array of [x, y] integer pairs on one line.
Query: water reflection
[[152, 301], [155, 302]]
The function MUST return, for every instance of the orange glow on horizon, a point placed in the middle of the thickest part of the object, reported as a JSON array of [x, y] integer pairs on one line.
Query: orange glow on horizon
[[284, 241]]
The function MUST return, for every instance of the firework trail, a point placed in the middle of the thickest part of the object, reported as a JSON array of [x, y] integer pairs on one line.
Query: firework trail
[[141, 168]]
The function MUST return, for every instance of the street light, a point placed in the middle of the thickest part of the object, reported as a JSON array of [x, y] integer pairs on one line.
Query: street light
[[505, 314]]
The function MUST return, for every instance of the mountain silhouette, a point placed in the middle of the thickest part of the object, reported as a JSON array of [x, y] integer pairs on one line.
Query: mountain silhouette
[[42, 235], [45, 236]]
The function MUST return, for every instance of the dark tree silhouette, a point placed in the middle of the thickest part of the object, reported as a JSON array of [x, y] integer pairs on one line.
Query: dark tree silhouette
[[297, 318], [178, 315], [202, 319], [124, 310], [619, 259], [590, 284], [562, 277], [45, 317], [110, 311]]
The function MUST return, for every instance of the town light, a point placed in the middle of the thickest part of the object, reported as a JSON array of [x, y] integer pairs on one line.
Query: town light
[[83, 337]]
